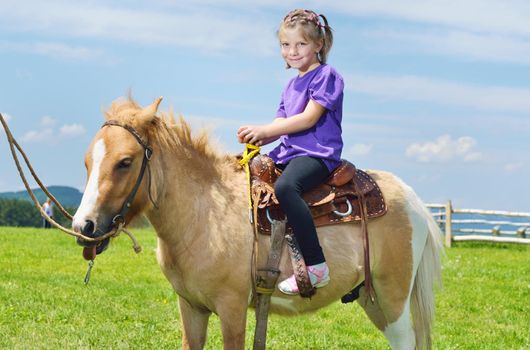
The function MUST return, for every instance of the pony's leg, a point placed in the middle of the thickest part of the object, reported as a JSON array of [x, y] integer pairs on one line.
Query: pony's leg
[[400, 333], [372, 310], [233, 316], [194, 325]]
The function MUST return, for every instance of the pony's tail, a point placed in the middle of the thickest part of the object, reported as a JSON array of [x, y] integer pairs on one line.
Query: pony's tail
[[427, 277]]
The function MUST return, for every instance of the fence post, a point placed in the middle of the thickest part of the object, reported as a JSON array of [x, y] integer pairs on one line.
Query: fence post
[[496, 230], [448, 229]]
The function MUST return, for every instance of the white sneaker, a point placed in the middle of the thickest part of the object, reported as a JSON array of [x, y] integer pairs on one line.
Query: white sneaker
[[318, 275]]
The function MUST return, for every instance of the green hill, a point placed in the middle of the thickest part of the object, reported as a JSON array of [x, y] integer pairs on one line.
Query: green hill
[[67, 196]]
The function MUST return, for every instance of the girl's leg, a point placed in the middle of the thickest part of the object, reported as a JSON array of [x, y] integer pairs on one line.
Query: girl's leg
[[300, 175]]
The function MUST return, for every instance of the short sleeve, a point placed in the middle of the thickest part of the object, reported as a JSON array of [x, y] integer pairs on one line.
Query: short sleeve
[[281, 109], [327, 89]]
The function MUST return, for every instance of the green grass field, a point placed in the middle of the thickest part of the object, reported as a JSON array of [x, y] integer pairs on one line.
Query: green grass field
[[485, 303]]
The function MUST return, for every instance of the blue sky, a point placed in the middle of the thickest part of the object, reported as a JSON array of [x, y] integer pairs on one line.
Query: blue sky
[[437, 92]]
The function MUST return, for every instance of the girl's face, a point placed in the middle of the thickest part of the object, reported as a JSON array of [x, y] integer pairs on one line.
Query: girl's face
[[297, 51]]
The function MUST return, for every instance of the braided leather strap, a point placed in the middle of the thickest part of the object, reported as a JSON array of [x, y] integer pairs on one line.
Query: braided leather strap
[[303, 282]]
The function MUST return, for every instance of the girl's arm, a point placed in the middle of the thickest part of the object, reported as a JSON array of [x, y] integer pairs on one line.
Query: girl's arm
[[263, 134]]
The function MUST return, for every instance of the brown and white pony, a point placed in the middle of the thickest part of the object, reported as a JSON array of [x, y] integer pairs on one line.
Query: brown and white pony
[[205, 239]]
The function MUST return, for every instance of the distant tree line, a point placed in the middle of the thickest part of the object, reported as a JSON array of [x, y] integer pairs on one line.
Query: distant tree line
[[19, 212]]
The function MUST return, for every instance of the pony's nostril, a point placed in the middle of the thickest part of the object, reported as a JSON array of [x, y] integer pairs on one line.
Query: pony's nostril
[[89, 227]]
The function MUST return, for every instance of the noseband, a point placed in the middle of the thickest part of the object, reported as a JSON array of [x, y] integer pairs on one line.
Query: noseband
[[119, 219]]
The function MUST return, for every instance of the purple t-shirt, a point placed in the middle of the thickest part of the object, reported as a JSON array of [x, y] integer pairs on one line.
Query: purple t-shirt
[[325, 86]]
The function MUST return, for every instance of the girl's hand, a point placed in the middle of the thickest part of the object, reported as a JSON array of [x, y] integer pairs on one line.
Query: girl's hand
[[241, 133], [253, 134]]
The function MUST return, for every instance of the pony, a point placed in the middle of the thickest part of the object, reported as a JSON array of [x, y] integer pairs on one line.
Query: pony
[[196, 198]]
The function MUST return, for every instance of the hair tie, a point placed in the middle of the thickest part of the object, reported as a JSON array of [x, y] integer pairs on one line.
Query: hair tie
[[311, 16], [319, 23]]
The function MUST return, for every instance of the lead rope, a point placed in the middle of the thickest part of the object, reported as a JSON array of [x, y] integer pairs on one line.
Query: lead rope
[[250, 152], [14, 144]]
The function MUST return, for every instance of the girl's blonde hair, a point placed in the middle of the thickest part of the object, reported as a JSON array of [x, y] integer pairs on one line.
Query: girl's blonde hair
[[312, 29]]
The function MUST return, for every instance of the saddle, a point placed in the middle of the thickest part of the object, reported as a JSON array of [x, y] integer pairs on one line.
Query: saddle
[[332, 202]]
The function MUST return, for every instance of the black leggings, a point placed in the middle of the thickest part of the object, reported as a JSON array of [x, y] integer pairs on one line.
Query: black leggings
[[300, 175]]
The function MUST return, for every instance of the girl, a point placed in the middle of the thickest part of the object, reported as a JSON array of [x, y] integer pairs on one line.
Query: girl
[[308, 123]]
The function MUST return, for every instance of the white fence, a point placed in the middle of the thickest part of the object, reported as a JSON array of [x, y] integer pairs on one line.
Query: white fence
[[481, 225]]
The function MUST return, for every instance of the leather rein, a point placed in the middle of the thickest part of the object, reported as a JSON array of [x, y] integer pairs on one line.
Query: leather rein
[[119, 219]]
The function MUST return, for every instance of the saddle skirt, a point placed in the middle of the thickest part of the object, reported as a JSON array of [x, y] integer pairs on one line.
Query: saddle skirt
[[334, 201]]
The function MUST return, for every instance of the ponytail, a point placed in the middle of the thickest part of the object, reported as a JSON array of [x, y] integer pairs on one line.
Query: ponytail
[[327, 39]]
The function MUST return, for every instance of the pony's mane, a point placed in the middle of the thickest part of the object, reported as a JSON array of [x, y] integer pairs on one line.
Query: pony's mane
[[165, 131]]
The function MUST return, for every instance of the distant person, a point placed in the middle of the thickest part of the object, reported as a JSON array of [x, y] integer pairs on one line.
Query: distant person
[[48, 209]]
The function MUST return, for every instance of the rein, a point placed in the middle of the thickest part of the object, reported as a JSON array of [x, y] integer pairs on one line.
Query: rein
[[14, 144]]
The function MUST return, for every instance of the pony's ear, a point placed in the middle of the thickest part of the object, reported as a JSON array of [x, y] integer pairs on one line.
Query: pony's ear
[[147, 114]]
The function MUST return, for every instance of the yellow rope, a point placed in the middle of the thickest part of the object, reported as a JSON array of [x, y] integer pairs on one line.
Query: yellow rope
[[250, 152], [266, 291]]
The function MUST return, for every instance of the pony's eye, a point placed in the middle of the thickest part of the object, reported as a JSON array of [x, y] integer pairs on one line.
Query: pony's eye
[[124, 163]]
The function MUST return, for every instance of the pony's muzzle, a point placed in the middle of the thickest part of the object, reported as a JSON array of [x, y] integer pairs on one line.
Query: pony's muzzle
[[89, 230]]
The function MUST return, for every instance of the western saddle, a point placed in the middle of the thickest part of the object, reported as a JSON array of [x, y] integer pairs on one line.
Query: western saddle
[[332, 202]]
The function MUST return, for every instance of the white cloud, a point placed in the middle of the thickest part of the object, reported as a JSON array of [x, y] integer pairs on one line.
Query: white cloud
[[486, 47], [472, 157], [489, 16], [206, 28], [43, 135], [54, 50], [47, 134], [513, 167], [59, 50], [214, 122], [239, 24], [47, 121], [445, 149], [360, 149], [414, 88], [497, 32], [72, 130]]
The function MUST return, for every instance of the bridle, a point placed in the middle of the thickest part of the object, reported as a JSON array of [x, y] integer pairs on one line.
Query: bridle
[[119, 219]]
